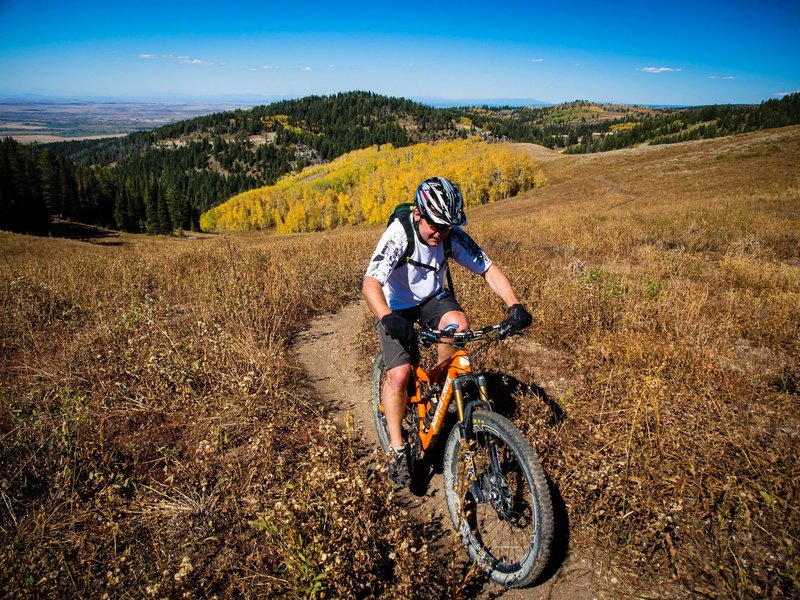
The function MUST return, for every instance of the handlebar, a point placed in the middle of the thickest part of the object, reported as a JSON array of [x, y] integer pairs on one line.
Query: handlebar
[[428, 336]]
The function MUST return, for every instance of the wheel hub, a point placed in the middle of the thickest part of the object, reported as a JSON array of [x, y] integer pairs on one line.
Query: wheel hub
[[498, 494]]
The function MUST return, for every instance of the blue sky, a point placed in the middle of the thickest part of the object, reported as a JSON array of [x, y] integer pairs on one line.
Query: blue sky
[[669, 53]]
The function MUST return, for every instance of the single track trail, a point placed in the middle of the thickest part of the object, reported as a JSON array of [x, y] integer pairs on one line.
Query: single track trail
[[325, 350]]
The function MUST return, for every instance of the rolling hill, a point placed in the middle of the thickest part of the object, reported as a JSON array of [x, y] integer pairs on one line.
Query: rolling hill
[[158, 436], [162, 180]]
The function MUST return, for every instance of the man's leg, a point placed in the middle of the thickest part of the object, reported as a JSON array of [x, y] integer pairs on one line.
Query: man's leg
[[395, 398]]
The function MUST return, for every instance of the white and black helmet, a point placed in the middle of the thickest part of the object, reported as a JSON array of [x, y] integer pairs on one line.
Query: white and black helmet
[[439, 201]]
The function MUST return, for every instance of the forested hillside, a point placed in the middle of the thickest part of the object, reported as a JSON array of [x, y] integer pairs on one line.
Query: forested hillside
[[366, 185], [163, 180]]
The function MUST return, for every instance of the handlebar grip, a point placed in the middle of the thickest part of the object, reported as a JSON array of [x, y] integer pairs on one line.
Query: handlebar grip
[[505, 330]]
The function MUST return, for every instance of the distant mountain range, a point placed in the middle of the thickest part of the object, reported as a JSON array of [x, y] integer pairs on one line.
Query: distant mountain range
[[248, 100], [473, 102]]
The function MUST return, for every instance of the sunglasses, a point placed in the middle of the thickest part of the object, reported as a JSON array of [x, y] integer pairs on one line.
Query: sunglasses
[[437, 227]]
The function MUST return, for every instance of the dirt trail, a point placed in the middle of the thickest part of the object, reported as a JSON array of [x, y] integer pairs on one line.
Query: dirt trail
[[325, 350]]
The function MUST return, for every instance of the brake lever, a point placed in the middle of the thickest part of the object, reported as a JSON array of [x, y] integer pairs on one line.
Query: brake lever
[[427, 337]]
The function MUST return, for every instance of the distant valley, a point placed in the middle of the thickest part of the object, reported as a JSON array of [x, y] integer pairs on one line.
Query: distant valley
[[45, 121]]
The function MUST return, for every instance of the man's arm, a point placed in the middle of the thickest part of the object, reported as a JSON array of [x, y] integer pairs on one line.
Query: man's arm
[[373, 294], [395, 325], [500, 285], [517, 317]]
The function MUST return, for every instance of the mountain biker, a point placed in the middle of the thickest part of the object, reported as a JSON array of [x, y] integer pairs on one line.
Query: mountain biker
[[401, 290]]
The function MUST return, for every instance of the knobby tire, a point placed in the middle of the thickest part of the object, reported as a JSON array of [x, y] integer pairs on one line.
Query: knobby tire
[[503, 510]]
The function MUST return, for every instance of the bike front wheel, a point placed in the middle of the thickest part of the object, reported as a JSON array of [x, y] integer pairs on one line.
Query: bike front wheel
[[499, 500]]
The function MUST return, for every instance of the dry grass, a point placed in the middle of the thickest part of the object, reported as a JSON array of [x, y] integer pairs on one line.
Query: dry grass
[[669, 281], [156, 438]]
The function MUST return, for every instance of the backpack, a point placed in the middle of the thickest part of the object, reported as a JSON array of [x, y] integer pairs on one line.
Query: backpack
[[403, 213]]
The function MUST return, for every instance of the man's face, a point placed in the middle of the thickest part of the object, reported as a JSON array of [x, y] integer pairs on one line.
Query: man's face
[[431, 233]]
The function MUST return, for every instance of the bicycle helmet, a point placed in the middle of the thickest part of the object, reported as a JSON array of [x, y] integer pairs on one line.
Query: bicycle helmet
[[439, 201]]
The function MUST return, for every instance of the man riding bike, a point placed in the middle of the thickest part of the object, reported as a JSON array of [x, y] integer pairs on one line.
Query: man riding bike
[[404, 284]]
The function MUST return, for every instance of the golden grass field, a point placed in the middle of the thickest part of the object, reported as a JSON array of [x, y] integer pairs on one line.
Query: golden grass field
[[157, 438]]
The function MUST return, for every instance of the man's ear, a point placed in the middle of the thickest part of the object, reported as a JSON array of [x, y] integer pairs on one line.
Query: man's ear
[[417, 215]]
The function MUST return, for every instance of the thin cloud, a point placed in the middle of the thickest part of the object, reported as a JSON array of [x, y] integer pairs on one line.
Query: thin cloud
[[289, 68], [537, 60], [184, 60], [658, 69], [188, 60], [726, 77]]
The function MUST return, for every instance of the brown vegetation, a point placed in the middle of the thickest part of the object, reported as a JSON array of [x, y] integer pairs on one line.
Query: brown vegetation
[[669, 280], [155, 436]]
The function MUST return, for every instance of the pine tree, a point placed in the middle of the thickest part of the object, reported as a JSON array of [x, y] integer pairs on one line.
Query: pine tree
[[151, 209], [164, 222]]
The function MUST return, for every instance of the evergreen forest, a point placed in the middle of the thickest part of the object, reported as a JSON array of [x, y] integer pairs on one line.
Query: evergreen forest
[[161, 181]]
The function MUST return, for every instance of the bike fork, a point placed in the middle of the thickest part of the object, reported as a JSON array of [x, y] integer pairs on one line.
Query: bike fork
[[468, 440]]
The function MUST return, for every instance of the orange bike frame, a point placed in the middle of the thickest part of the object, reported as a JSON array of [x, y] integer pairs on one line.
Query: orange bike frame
[[445, 373]]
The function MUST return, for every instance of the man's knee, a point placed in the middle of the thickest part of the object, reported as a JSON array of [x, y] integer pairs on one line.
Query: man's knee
[[454, 317], [397, 377]]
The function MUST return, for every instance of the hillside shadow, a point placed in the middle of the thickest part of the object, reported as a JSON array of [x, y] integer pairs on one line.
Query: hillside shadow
[[84, 233]]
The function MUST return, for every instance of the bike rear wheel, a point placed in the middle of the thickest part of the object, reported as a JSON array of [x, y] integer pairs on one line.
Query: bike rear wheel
[[378, 376], [499, 500]]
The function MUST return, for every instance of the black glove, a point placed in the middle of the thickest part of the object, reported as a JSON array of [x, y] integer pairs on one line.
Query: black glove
[[517, 317], [399, 328]]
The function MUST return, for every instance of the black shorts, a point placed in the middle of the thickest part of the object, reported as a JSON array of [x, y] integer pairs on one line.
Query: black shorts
[[429, 313]]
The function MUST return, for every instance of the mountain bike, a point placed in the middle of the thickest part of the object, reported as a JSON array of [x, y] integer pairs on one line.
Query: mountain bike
[[497, 493]]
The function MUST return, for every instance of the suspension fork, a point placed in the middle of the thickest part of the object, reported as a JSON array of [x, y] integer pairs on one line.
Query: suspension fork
[[483, 390], [465, 426], [465, 411]]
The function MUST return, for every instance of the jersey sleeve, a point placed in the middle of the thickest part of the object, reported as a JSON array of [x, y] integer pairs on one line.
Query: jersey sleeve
[[467, 253], [391, 247]]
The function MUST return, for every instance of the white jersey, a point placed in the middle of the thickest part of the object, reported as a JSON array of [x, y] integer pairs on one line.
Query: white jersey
[[406, 285]]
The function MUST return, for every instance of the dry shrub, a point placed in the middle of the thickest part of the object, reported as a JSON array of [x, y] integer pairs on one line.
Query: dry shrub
[[152, 421], [335, 529]]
